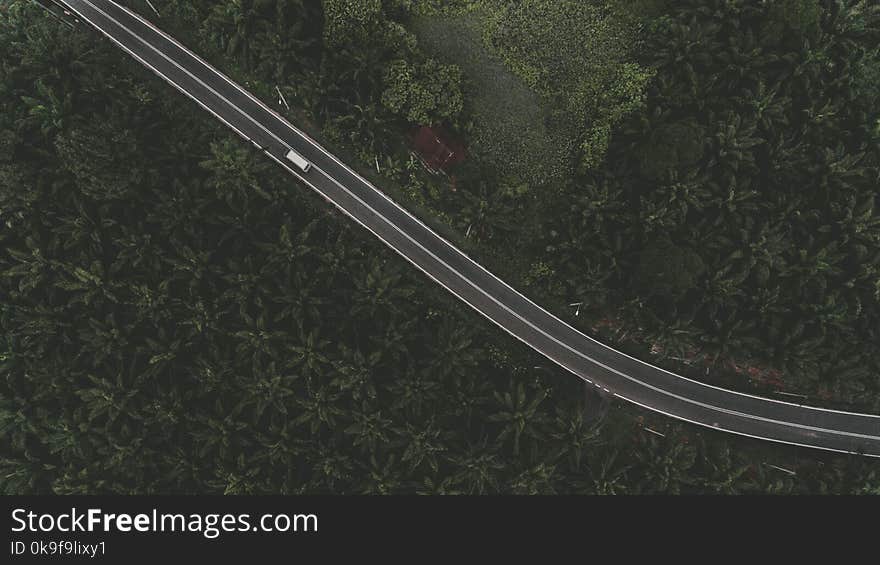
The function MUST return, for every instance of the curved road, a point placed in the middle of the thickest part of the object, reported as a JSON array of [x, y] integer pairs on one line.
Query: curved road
[[617, 373]]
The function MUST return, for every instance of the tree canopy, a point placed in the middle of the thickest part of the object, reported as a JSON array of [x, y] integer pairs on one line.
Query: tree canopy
[[179, 317]]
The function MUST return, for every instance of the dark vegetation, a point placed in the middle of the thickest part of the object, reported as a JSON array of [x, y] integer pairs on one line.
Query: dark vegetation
[[752, 171], [178, 316], [749, 171]]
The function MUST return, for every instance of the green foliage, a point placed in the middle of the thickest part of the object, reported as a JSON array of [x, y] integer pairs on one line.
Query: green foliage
[[277, 37], [757, 151], [177, 317], [798, 16], [579, 56], [423, 95], [666, 268], [671, 146], [101, 159], [168, 300], [511, 131], [373, 74], [351, 21], [546, 82]]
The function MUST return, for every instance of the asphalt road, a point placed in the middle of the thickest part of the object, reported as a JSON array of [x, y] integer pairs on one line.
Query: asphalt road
[[617, 373]]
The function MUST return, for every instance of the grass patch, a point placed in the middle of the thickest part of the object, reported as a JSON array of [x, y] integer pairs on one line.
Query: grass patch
[[511, 130]]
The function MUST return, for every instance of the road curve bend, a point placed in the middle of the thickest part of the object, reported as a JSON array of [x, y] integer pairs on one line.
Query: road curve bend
[[621, 375]]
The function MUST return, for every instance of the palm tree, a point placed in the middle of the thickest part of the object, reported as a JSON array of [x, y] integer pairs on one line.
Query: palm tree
[[538, 479], [424, 445], [381, 477], [722, 474], [484, 216], [355, 373], [330, 467], [380, 293], [319, 407], [231, 25], [299, 299], [369, 429], [415, 390], [664, 464], [453, 353], [266, 389], [477, 469], [608, 474], [437, 486], [309, 355], [47, 111], [573, 435], [519, 415]]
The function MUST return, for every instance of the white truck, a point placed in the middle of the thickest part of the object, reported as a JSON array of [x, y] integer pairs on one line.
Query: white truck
[[298, 160]]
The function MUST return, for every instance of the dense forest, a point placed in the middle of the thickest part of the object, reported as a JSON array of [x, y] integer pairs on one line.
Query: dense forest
[[741, 201], [179, 316]]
